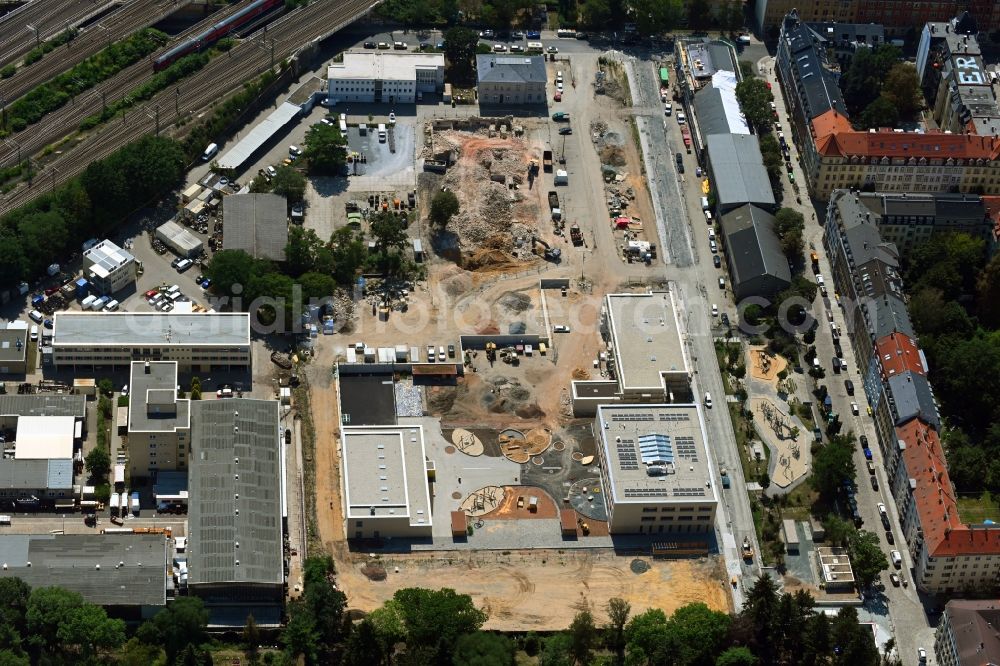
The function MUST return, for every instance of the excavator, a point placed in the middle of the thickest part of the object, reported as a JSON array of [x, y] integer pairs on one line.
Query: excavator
[[549, 253]]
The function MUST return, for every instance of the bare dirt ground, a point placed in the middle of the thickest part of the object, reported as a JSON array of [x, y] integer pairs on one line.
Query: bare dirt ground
[[325, 410], [542, 590]]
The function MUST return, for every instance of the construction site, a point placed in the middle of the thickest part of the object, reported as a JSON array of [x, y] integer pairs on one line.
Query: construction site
[[548, 222]]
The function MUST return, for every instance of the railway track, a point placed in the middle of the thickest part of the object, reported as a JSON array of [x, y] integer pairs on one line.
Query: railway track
[[133, 16], [67, 118], [248, 59], [47, 17]]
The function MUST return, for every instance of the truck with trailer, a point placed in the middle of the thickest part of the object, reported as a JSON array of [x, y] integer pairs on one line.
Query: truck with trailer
[[547, 161]]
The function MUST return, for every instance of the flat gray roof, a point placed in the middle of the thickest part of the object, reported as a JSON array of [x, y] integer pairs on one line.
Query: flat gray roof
[[89, 564], [235, 489], [385, 473], [36, 474], [13, 344], [153, 405], [256, 224], [656, 453], [43, 405], [647, 340], [154, 329]]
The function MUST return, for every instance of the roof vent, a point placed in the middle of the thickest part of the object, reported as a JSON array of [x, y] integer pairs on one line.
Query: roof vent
[[98, 567], [27, 564], [146, 368], [236, 460], [237, 512], [236, 428], [121, 564]]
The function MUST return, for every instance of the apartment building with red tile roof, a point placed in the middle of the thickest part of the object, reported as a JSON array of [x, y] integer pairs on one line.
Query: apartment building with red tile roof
[[837, 156], [897, 353], [948, 555]]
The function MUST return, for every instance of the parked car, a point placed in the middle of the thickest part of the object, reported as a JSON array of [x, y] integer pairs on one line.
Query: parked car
[[717, 261], [369, 45], [849, 385], [560, 328], [894, 579], [552, 49], [888, 535], [183, 265], [451, 351], [565, 130], [874, 482]]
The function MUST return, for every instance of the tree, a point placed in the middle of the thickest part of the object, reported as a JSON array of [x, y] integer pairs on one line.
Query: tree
[[326, 603], [195, 388], [583, 635], [437, 618], [902, 88], [48, 609], [867, 558], [231, 271], [105, 386], [771, 153], [618, 612], [443, 206], [831, 465], [699, 14], [302, 250], [861, 84], [317, 286], [736, 656], [654, 17], [880, 113], [300, 637], [98, 464], [363, 646], [695, 633], [460, 53], [856, 643], [730, 16], [595, 14], [176, 626], [755, 100], [988, 293], [289, 183], [348, 253], [838, 531], [251, 640], [789, 226], [388, 231], [760, 607], [557, 651], [484, 649], [89, 628], [325, 152], [645, 636]]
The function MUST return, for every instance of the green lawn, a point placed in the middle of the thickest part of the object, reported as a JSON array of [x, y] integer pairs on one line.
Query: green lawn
[[975, 509]]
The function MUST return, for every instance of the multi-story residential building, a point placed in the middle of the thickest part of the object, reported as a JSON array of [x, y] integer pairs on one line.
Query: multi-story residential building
[[384, 77], [844, 39], [108, 267], [948, 555], [159, 424], [967, 635], [954, 78], [808, 78], [897, 16], [197, 342], [906, 219], [510, 80], [656, 470], [836, 156]]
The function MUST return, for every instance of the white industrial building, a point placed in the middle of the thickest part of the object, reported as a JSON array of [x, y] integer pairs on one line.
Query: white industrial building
[[656, 472], [386, 482], [181, 241], [384, 77], [108, 267], [645, 358], [37, 466], [197, 342]]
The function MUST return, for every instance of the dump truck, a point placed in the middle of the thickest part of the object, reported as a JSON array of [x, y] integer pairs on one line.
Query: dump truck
[[547, 161], [553, 200], [576, 235], [815, 261], [747, 549], [725, 477], [560, 117]]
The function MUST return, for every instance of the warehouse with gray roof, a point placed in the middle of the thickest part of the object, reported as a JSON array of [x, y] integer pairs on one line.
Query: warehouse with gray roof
[[236, 509], [256, 224], [737, 172], [757, 266]]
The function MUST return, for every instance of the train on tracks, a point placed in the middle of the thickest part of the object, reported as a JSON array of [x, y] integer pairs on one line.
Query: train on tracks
[[221, 29]]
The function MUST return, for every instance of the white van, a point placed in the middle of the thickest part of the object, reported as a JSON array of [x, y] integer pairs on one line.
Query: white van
[[897, 559], [704, 203], [708, 399], [381, 133], [36, 316], [210, 152], [87, 302], [34, 332], [111, 306], [99, 304]]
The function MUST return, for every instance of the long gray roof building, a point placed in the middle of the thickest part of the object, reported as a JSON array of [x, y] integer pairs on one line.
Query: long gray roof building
[[757, 266], [106, 569], [256, 224], [802, 64], [737, 170], [499, 68], [235, 508]]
